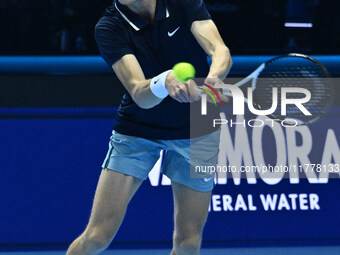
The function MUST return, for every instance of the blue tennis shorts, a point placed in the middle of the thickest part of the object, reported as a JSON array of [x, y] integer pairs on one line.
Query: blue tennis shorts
[[136, 157]]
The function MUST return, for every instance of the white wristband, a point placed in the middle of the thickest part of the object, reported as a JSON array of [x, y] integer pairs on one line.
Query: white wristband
[[157, 85]]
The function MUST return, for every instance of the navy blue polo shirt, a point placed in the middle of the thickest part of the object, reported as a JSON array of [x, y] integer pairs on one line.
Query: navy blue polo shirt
[[157, 47]]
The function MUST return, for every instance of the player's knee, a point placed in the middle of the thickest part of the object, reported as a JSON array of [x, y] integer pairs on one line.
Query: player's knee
[[187, 243]]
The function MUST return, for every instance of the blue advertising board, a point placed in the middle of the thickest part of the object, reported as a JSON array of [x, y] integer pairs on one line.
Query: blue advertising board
[[49, 169]]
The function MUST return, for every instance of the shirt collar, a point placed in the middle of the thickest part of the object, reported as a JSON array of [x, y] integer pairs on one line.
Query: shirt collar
[[137, 22]]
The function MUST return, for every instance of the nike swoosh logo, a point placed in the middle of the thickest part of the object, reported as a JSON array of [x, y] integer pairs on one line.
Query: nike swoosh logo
[[172, 33], [207, 179]]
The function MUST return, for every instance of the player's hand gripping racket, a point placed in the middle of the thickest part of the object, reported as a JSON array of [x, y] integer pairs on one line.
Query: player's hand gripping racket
[[290, 71]]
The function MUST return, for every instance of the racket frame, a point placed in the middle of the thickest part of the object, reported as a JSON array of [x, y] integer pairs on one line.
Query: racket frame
[[255, 74]]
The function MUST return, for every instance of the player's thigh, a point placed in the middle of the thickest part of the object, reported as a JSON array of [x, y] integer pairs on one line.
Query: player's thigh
[[113, 193], [191, 209]]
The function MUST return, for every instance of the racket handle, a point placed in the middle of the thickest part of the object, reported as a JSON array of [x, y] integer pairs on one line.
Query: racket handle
[[199, 91], [224, 91]]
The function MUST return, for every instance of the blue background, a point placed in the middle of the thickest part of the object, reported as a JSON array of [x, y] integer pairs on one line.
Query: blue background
[[49, 169]]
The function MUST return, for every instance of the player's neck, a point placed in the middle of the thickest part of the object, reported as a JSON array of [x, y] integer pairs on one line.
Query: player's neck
[[144, 8]]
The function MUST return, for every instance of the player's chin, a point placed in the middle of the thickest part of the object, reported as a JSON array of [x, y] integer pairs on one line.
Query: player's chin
[[127, 2]]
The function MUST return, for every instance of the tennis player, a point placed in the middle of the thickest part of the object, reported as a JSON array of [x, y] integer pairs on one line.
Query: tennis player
[[142, 40]]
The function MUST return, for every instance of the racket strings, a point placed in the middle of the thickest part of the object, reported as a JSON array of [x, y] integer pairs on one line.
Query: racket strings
[[294, 72]]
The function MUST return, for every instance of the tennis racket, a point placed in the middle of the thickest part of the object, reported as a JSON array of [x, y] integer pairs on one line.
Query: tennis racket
[[290, 71]]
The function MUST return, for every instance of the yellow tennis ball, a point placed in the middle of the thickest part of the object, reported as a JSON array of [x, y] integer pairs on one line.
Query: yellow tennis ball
[[184, 71]]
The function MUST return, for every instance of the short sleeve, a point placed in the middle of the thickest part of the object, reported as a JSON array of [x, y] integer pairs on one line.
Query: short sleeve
[[195, 10], [111, 42]]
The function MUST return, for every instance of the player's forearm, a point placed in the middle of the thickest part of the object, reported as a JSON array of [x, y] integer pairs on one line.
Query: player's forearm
[[221, 63], [151, 92], [143, 96], [132, 77]]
